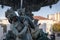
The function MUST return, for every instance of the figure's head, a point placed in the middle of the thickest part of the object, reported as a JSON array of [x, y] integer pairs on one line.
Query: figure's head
[[21, 11], [9, 14]]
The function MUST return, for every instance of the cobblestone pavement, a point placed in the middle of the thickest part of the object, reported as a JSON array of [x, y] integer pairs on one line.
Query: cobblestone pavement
[[57, 38]]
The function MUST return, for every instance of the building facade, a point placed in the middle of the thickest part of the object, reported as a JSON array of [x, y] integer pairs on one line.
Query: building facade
[[55, 16], [45, 24]]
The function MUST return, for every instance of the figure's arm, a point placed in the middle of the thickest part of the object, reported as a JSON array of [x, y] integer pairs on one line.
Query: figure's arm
[[23, 31], [30, 22], [15, 31], [25, 28]]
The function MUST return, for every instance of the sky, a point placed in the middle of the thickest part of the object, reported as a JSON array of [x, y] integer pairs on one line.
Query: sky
[[44, 11]]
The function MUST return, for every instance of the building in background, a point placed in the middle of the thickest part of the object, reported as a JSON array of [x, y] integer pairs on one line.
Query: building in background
[[55, 16], [4, 27], [45, 23], [5, 24]]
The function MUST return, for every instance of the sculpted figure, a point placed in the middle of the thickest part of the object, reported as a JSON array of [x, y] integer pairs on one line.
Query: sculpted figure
[[27, 22], [9, 16], [18, 27], [32, 28]]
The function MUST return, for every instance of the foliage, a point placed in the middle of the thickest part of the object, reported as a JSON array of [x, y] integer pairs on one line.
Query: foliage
[[56, 27]]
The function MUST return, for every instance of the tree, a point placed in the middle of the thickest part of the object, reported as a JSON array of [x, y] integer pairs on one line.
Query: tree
[[56, 27]]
